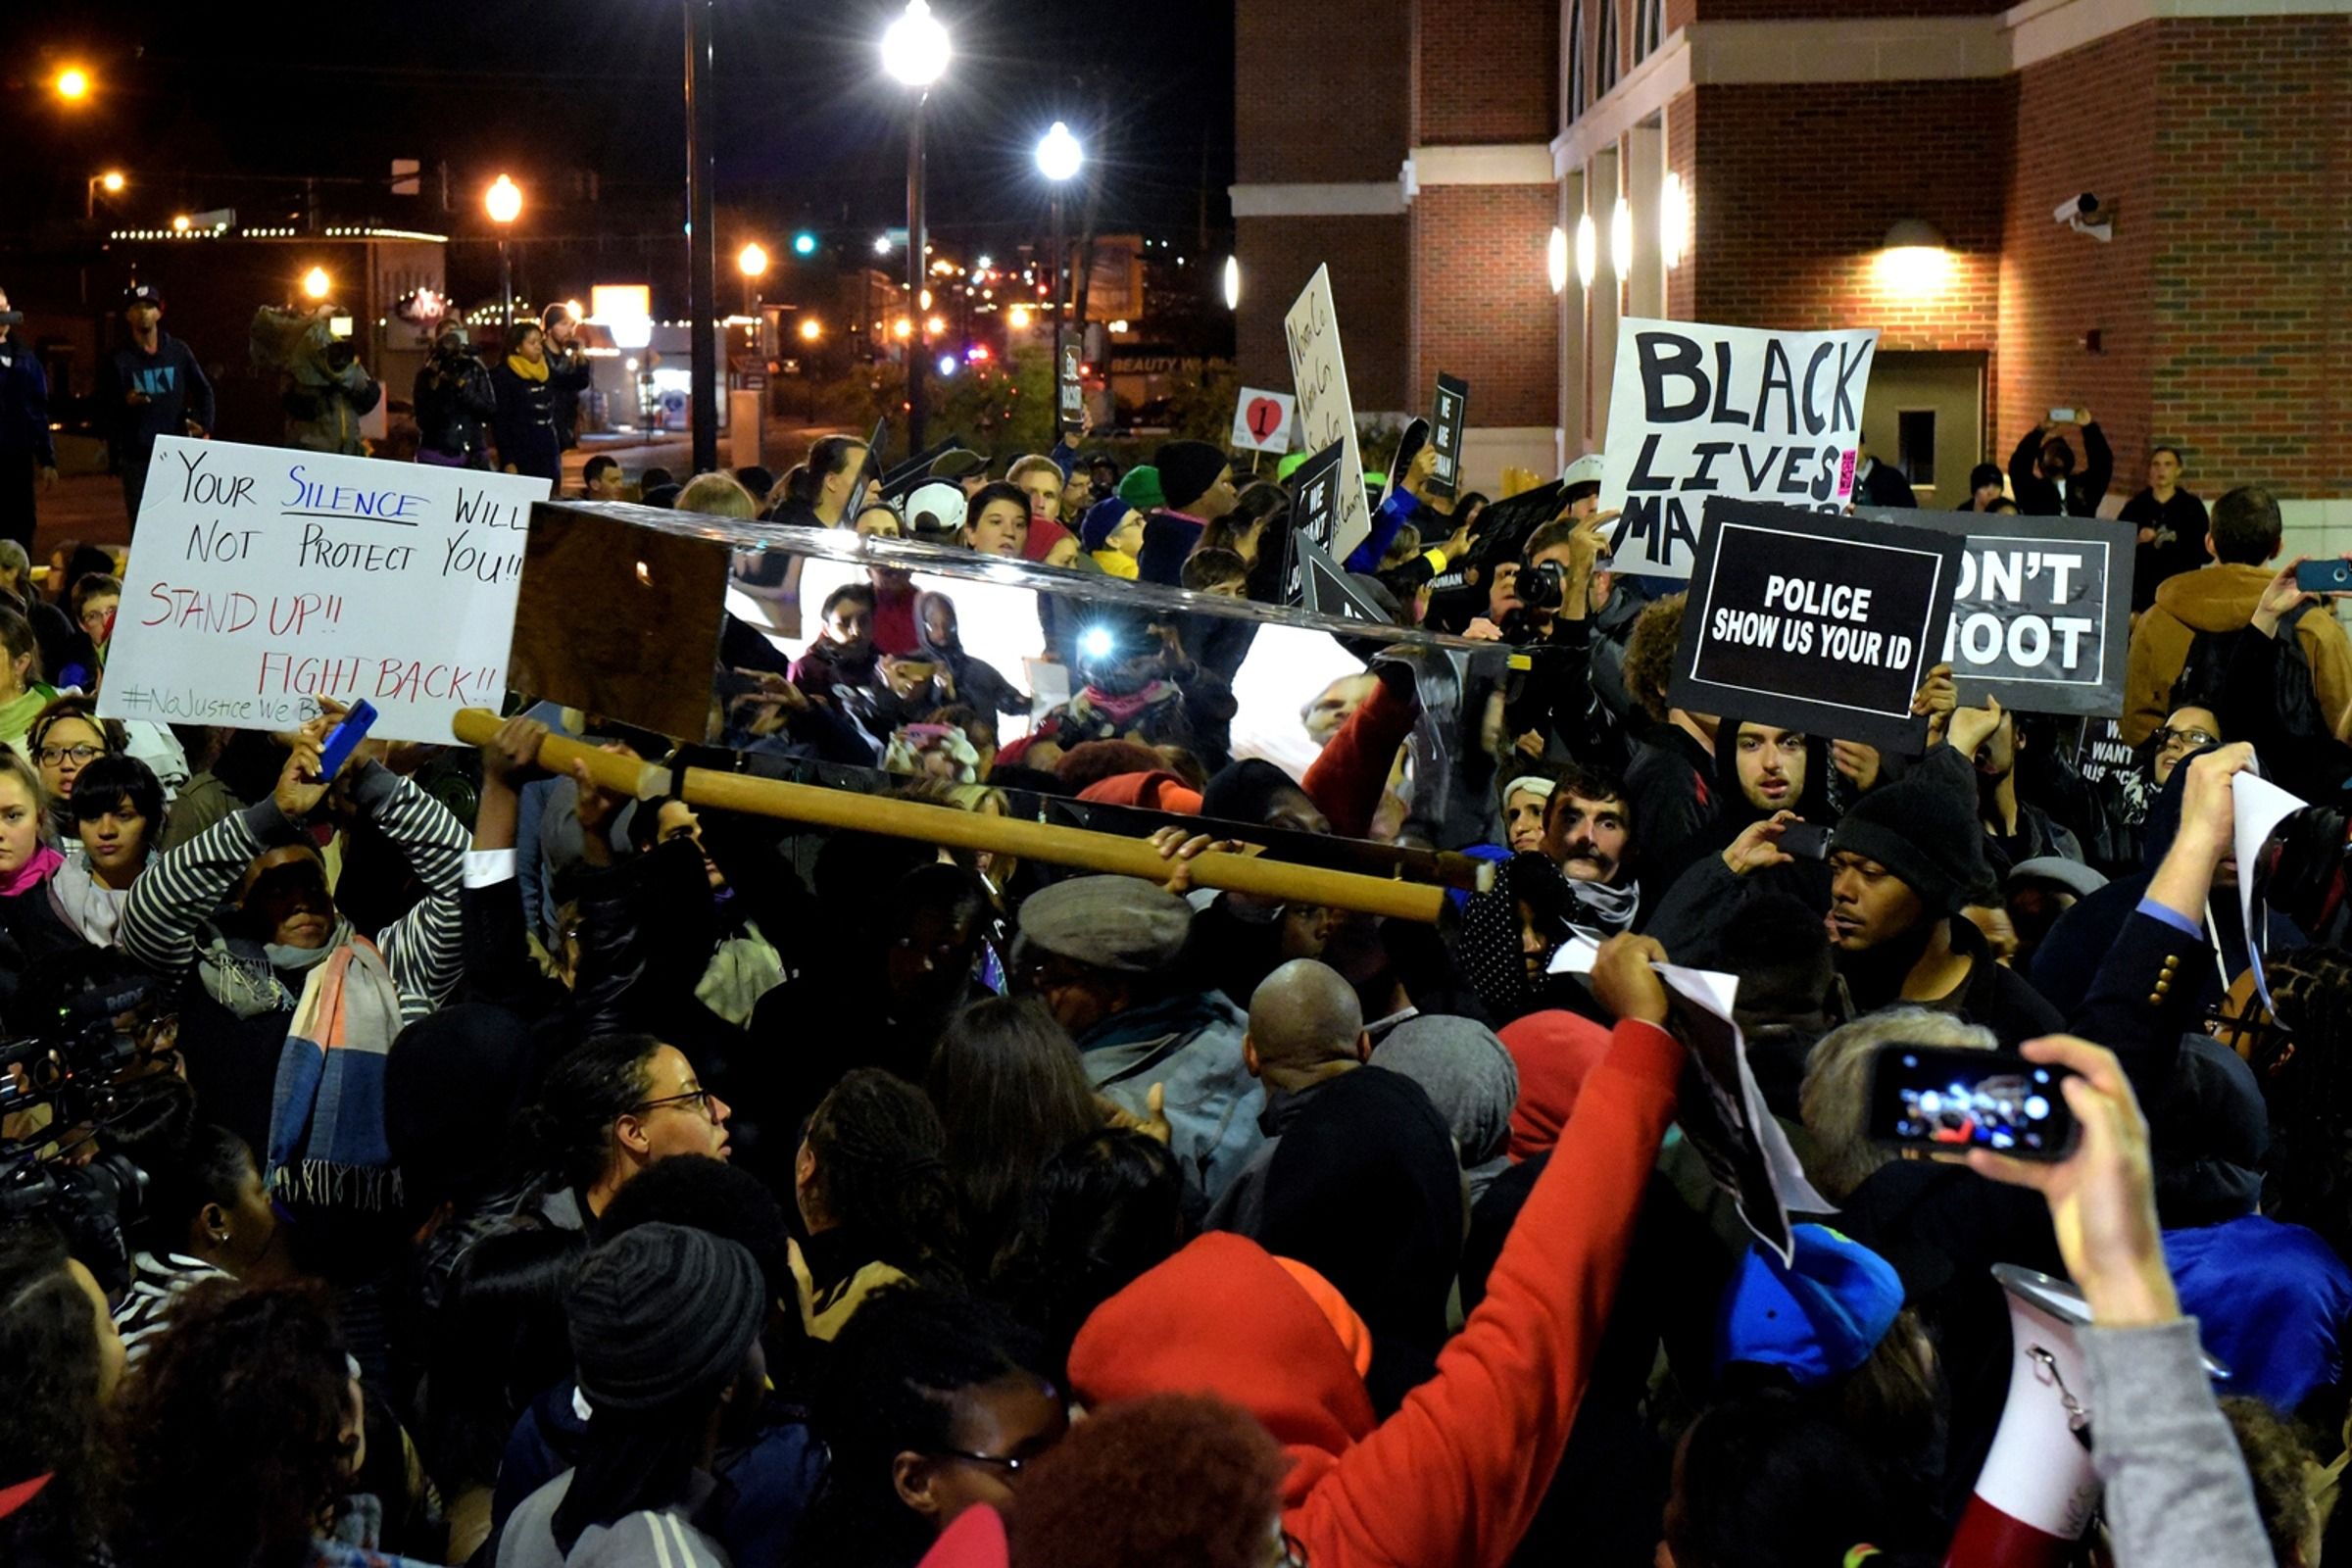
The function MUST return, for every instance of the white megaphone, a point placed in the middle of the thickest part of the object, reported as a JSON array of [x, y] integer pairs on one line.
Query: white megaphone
[[2037, 1491]]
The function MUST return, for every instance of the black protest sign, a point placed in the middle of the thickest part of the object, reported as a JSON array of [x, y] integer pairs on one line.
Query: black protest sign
[[1315, 505], [1446, 433], [1824, 624], [2042, 617]]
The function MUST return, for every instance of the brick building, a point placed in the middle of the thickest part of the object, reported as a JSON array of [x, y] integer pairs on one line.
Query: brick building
[[1836, 162]]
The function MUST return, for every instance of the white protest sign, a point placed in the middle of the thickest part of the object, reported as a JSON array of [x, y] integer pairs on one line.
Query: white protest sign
[[1697, 410], [2256, 807], [263, 578], [1325, 412], [1262, 421]]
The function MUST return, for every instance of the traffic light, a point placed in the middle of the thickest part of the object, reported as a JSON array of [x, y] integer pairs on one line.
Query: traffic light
[[804, 243]]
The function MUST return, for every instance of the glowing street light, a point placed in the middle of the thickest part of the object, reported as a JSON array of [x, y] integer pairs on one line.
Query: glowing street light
[[915, 48], [73, 84], [504, 200], [504, 203], [1059, 158], [1017, 317], [110, 183], [881, 244], [182, 223], [1058, 155], [752, 258], [811, 330], [317, 284]]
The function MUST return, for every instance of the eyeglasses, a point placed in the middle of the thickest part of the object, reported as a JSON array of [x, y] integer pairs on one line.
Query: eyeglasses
[[51, 755], [698, 1098], [2188, 740], [1294, 1553], [1012, 1468]]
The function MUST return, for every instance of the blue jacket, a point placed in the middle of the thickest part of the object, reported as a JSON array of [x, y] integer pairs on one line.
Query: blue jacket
[[175, 390], [24, 404], [1192, 1044], [2270, 1300]]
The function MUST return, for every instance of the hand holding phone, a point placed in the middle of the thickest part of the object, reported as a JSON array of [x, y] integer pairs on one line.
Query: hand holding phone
[[344, 739], [1942, 1100], [2062, 415]]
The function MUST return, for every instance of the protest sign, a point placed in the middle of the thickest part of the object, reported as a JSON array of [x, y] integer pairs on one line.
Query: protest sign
[[1726, 410], [2042, 617], [264, 579], [1722, 1108], [1452, 417], [1262, 421], [1314, 508], [1326, 415], [1821, 622]]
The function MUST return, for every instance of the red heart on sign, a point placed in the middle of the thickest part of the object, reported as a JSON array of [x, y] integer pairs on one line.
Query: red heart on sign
[[1265, 415]]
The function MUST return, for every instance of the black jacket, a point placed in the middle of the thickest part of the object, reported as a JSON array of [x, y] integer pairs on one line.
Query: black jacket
[[24, 404], [568, 375], [2180, 544], [175, 386], [451, 401], [529, 441], [1884, 486], [2086, 487]]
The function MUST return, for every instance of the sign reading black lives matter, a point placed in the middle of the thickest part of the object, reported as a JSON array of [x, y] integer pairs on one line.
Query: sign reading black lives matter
[[1824, 624], [1701, 410], [2041, 619]]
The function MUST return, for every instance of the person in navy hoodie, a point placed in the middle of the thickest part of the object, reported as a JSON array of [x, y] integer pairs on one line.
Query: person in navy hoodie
[[28, 453], [150, 386]]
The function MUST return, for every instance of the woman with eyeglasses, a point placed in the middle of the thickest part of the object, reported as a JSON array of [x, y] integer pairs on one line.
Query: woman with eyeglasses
[[930, 1404], [51, 902], [608, 1110]]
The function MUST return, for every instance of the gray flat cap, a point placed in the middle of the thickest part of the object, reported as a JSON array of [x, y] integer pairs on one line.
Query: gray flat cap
[[1108, 922]]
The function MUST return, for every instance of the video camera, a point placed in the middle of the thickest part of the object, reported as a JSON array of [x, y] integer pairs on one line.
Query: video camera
[[11, 318], [81, 1069]]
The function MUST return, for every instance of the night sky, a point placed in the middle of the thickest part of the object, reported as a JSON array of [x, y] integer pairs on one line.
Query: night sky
[[810, 128]]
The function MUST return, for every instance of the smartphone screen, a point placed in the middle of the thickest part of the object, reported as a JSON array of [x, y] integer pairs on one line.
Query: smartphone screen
[[1807, 841], [1950, 1100], [2062, 415]]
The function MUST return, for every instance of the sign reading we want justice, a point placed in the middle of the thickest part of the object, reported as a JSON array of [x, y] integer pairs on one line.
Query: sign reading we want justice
[[262, 580]]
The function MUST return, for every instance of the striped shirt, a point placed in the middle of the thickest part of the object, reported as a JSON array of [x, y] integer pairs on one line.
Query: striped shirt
[[154, 1284], [179, 891]]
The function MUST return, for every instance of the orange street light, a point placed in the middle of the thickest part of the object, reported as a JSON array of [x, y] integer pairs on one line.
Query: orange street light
[[73, 84]]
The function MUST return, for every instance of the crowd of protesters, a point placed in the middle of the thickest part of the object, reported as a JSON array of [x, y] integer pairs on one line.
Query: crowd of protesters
[[533, 1175]]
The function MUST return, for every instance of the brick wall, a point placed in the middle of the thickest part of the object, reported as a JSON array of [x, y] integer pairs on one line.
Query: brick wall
[[1370, 262], [2086, 120], [1783, 9], [1483, 306], [1794, 189], [2251, 219], [1349, 116], [1464, 97]]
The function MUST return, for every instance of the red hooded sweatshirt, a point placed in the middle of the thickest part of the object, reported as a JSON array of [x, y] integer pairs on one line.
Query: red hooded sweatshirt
[[1455, 1476]]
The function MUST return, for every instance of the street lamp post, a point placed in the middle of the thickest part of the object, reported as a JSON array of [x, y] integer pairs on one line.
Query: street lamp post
[[110, 183], [914, 51], [504, 203], [751, 262], [1059, 157], [702, 235]]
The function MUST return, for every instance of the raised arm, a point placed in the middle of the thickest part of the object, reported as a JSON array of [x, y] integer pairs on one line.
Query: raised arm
[[425, 948], [178, 891]]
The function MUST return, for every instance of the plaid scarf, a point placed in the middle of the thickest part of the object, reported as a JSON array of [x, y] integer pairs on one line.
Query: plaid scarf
[[326, 1125]]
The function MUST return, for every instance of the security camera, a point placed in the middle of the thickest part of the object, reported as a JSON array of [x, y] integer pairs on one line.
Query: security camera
[[2087, 215]]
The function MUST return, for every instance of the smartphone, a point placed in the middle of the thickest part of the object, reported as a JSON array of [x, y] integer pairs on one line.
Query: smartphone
[[2331, 575], [344, 739], [1807, 841], [1943, 1100], [2062, 415]]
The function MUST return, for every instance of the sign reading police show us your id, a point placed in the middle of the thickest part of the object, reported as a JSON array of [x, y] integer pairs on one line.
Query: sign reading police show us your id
[[263, 578], [2041, 617], [1826, 625], [1699, 410]]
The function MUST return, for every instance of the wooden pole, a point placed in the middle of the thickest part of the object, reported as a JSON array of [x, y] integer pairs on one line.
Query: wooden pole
[[969, 830]]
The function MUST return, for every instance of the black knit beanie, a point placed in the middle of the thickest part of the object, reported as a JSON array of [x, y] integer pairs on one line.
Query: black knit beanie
[[663, 1315], [1186, 469], [1923, 828]]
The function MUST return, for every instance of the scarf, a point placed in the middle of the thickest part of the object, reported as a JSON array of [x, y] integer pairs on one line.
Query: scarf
[[1605, 909], [525, 369], [326, 1125], [18, 711], [84, 902], [32, 873], [1093, 704], [1118, 563]]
